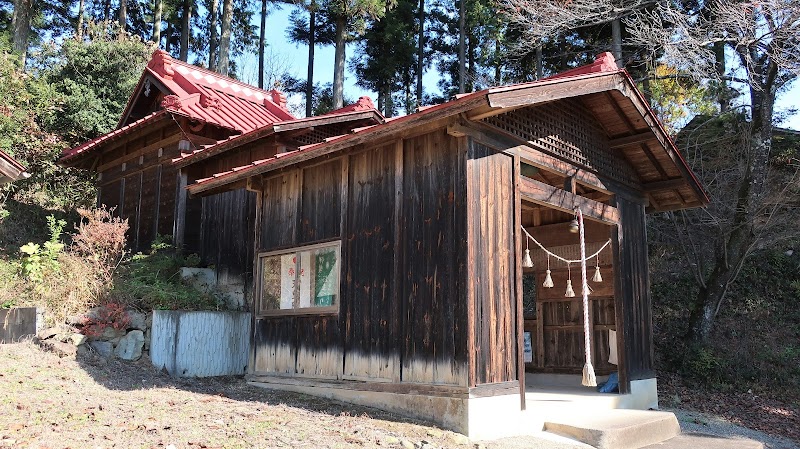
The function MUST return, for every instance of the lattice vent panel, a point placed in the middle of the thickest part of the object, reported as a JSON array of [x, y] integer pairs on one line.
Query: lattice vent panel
[[319, 134], [566, 130]]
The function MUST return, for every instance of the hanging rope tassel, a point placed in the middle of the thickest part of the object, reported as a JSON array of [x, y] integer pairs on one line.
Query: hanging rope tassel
[[548, 280], [570, 293], [589, 378]]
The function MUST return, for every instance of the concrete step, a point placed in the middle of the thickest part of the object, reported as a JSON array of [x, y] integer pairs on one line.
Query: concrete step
[[700, 440], [614, 429]]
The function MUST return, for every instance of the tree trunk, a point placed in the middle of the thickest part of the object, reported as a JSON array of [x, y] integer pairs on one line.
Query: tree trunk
[[21, 26], [225, 37], [389, 103], [81, 12], [262, 44], [123, 14], [107, 10], [157, 17], [186, 29], [420, 51], [213, 40], [539, 68], [616, 41], [168, 41], [338, 63], [312, 43], [462, 69], [498, 68], [734, 248], [722, 97]]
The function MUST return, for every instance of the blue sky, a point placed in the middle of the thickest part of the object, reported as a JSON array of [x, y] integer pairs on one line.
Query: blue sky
[[293, 59]]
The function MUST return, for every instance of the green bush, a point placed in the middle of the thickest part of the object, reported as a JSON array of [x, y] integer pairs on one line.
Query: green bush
[[153, 281]]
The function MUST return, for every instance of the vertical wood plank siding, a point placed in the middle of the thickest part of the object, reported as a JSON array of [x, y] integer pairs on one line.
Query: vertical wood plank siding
[[490, 191], [227, 227], [633, 305], [434, 226], [403, 312], [370, 307]]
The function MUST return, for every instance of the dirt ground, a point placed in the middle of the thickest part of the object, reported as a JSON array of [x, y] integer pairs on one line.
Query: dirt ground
[[47, 402]]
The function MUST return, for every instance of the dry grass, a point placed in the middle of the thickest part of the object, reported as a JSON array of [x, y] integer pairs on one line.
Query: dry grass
[[57, 403]]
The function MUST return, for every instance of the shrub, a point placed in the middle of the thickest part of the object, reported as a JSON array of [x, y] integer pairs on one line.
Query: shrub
[[100, 238], [111, 315]]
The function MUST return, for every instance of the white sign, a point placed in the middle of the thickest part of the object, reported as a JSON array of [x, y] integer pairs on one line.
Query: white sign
[[528, 348]]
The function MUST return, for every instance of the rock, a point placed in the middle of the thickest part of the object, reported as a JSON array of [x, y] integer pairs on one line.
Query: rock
[[62, 349], [103, 348], [77, 339], [147, 339], [130, 346], [434, 433], [479, 446], [149, 320], [407, 444], [459, 438], [136, 320], [82, 350], [391, 440], [95, 314], [109, 333], [44, 334], [426, 445]]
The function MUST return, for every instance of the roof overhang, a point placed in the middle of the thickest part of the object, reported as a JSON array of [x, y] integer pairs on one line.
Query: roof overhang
[[292, 125], [478, 105], [10, 169]]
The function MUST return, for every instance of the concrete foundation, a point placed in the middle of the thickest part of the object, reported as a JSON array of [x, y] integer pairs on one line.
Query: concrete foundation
[[478, 418]]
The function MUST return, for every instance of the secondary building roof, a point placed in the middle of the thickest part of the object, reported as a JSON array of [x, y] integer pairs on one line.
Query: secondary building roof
[[11, 170], [606, 91]]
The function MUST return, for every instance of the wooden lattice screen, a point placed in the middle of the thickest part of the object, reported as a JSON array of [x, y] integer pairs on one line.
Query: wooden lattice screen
[[569, 132], [318, 134]]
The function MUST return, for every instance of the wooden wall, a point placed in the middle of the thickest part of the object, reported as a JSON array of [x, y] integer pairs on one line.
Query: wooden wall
[[633, 305], [227, 230], [490, 197], [399, 212], [138, 179]]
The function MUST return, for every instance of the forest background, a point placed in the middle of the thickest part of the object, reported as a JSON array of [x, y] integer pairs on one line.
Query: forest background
[[719, 73]]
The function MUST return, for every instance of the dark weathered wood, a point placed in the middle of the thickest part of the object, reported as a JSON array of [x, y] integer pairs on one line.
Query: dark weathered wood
[[434, 265], [320, 216], [16, 324], [371, 310], [547, 195], [279, 211], [557, 89], [493, 272], [633, 139], [520, 325], [493, 137], [386, 387]]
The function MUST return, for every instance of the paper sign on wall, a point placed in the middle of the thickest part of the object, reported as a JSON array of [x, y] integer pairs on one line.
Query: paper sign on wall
[[528, 348], [288, 276]]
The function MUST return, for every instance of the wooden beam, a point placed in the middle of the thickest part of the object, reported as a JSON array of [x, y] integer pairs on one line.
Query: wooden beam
[[154, 146], [520, 323], [547, 195], [633, 139], [558, 234], [254, 184], [669, 184], [554, 90]]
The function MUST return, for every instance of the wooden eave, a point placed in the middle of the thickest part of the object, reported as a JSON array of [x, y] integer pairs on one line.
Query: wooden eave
[[630, 125], [10, 169], [289, 127], [611, 97]]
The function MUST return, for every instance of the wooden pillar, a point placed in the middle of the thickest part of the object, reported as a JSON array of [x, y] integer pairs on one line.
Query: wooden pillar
[[520, 320], [180, 210]]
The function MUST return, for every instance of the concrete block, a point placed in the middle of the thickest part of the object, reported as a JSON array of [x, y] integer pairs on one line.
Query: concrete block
[[699, 440], [615, 429]]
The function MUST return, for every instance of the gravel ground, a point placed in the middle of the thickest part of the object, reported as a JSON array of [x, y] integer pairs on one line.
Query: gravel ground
[[47, 402], [715, 425]]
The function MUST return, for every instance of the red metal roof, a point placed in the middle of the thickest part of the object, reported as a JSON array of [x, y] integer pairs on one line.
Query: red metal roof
[[201, 95], [212, 98], [603, 65], [10, 169]]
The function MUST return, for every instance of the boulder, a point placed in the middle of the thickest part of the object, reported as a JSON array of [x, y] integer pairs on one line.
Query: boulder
[[109, 333], [130, 346], [77, 339], [136, 320], [103, 348], [45, 334]]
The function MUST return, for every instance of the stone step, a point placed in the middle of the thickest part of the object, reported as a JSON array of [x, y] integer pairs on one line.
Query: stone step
[[700, 440], [614, 429]]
